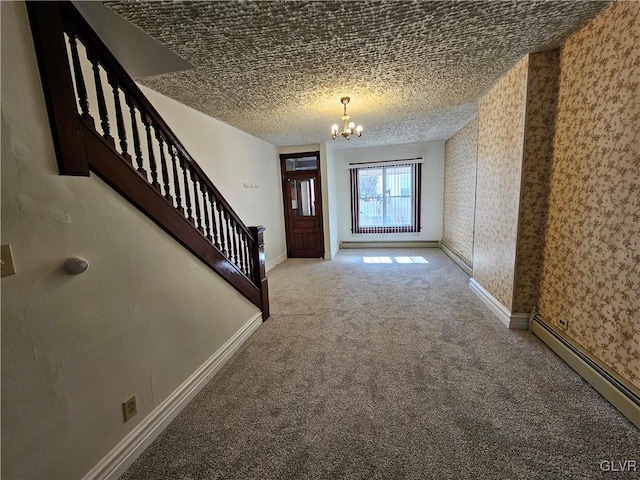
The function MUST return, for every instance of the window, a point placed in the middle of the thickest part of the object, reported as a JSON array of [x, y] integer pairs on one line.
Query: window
[[296, 164], [385, 197]]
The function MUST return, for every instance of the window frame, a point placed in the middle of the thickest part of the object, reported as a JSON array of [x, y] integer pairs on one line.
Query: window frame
[[416, 195]]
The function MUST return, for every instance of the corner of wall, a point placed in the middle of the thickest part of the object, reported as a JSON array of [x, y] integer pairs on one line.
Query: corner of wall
[[513, 321], [501, 127]]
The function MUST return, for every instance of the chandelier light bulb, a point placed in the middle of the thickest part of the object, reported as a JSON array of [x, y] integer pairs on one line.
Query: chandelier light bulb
[[352, 126], [334, 128], [359, 130]]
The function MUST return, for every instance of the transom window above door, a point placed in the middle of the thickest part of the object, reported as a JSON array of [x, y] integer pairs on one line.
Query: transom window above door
[[385, 196], [296, 164]]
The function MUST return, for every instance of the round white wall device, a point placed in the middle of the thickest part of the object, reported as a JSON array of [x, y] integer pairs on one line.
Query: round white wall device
[[75, 265]]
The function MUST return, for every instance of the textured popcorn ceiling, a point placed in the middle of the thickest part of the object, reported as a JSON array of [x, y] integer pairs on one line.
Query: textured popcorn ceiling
[[414, 69]]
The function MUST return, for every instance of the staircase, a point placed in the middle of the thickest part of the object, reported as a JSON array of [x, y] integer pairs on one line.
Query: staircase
[[102, 122]]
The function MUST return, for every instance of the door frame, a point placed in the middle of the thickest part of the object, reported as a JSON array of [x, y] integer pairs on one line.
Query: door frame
[[285, 176]]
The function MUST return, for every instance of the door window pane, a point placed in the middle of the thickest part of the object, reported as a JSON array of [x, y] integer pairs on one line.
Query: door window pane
[[303, 197]]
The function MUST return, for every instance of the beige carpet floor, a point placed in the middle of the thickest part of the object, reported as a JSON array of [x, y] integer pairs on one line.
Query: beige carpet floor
[[389, 371]]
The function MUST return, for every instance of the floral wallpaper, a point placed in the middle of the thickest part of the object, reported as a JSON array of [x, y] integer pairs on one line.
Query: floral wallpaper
[[501, 119], [591, 258], [542, 91], [460, 158]]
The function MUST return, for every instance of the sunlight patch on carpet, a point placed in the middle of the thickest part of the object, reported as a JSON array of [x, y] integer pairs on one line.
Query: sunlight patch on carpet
[[377, 260], [411, 260], [397, 260]]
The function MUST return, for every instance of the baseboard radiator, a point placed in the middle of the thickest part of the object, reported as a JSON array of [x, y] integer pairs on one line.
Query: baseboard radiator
[[454, 255], [621, 396], [391, 244]]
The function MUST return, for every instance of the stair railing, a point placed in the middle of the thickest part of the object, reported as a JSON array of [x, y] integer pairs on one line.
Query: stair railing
[[101, 121]]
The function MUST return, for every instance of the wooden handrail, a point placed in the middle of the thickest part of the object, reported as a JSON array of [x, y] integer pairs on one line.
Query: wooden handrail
[[73, 21], [135, 151]]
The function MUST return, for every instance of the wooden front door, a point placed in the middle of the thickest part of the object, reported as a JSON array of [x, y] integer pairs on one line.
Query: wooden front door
[[302, 205]]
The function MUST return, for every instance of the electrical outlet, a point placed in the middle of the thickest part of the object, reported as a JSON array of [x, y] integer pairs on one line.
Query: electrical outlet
[[130, 408], [562, 323]]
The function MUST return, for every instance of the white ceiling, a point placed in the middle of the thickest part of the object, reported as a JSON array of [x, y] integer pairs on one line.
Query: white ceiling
[[414, 69]]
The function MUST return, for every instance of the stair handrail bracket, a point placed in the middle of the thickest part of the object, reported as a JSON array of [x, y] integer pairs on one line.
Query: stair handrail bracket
[[102, 122]]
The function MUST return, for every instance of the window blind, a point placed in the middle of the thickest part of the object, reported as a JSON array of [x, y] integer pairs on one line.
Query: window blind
[[385, 196]]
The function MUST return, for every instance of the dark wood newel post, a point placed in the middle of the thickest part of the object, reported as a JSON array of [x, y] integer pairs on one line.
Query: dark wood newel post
[[55, 72], [259, 269]]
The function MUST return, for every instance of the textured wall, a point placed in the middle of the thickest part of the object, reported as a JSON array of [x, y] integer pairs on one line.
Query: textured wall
[[460, 157], [501, 118], [591, 272], [536, 172]]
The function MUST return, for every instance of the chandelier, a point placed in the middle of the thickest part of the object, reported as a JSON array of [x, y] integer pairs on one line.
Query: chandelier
[[349, 128]]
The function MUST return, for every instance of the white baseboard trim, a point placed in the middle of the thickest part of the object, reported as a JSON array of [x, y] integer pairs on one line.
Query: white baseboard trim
[[275, 262], [115, 463], [620, 395], [514, 321], [391, 244], [519, 321], [458, 260]]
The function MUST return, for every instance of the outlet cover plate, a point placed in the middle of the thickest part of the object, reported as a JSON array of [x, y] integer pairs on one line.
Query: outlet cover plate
[[130, 408]]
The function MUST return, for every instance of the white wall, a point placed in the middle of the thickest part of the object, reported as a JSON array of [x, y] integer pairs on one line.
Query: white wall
[[232, 158], [432, 188], [332, 197], [141, 320]]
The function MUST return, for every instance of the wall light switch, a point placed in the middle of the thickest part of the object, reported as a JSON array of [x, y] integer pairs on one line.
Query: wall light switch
[[8, 267]]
